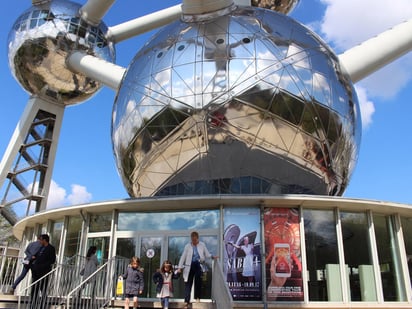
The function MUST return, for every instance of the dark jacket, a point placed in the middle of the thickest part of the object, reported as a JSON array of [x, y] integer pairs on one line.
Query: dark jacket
[[134, 282], [158, 280], [43, 262]]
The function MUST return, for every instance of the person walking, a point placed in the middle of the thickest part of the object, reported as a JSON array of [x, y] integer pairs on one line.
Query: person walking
[[191, 263], [134, 282], [163, 279], [30, 252], [41, 265], [89, 268]]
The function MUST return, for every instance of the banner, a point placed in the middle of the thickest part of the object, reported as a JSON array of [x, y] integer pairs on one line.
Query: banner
[[283, 257], [242, 261]]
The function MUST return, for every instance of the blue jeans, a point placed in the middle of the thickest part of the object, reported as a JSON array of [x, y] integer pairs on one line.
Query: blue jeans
[[23, 274], [165, 302]]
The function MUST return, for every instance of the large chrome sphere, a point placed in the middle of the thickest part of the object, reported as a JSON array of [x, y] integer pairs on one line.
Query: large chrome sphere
[[39, 43], [249, 102], [282, 6]]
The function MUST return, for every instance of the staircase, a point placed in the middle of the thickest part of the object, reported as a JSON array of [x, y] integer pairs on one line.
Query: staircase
[[151, 303], [11, 302], [8, 301], [66, 290]]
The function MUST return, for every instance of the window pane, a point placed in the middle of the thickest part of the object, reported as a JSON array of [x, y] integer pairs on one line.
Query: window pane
[[407, 232], [100, 223], [194, 220], [74, 231], [389, 262], [322, 256], [358, 257], [175, 250], [102, 244], [55, 235], [126, 247], [150, 253]]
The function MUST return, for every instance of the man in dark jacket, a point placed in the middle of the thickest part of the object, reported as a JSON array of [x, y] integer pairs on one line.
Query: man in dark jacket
[[41, 265]]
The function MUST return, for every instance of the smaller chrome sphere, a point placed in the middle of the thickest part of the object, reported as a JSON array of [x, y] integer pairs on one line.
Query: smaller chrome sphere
[[281, 6], [41, 40]]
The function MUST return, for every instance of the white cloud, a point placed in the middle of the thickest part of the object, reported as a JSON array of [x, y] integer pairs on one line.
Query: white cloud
[[58, 196], [79, 195], [367, 107], [348, 23]]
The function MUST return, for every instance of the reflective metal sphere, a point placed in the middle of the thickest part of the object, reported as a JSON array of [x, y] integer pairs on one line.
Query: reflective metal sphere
[[39, 43], [282, 6], [248, 103]]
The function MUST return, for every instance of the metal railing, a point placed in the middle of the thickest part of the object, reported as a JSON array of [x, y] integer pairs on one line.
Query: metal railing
[[95, 291], [221, 295], [9, 266], [51, 289]]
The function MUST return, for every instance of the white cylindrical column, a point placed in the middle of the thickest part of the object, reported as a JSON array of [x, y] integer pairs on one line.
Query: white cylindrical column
[[194, 7], [94, 10], [107, 73], [143, 24], [36, 2], [373, 54]]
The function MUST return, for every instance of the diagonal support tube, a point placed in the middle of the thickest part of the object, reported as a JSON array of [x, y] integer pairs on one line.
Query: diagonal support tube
[[373, 54], [94, 10], [107, 73], [143, 24]]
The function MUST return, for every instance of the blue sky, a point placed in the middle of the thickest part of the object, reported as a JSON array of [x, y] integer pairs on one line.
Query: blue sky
[[85, 169]]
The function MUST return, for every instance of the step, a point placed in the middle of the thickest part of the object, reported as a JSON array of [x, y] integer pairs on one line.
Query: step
[[145, 303], [8, 301]]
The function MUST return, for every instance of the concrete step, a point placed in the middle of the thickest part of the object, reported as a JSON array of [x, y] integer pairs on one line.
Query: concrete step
[[8, 301], [155, 303]]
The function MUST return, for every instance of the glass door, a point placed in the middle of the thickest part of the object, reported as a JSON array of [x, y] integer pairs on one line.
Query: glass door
[[176, 246], [102, 244], [150, 259], [175, 250]]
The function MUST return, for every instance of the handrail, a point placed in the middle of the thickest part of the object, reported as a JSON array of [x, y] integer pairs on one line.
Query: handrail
[[9, 266], [90, 279], [38, 280], [52, 288], [221, 295], [94, 291]]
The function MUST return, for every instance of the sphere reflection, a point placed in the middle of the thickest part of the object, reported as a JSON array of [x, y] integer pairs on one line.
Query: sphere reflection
[[39, 43], [282, 6], [250, 102]]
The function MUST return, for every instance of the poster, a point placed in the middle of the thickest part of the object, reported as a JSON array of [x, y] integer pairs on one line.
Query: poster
[[242, 261], [283, 255]]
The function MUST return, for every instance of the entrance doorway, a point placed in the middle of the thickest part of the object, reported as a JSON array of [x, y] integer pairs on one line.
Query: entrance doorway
[[153, 249]]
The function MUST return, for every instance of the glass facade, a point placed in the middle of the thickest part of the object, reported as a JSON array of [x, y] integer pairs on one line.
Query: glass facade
[[73, 236], [267, 254], [322, 256], [55, 234], [388, 254], [358, 256], [406, 224]]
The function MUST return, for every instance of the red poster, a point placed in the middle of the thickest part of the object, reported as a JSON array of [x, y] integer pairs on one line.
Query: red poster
[[283, 256]]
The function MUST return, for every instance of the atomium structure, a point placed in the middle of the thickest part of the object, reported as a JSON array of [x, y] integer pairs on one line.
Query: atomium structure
[[41, 40], [227, 98], [248, 102]]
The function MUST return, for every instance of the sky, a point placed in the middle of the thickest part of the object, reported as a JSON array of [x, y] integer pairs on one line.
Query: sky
[[85, 168]]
